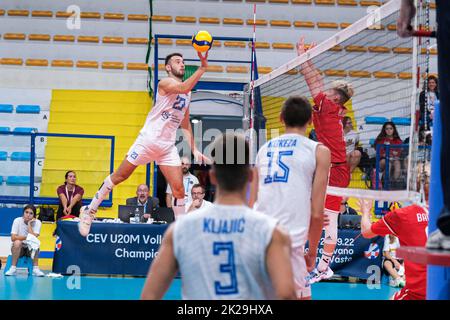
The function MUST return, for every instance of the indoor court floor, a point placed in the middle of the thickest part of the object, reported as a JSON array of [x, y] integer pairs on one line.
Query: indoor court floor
[[22, 287]]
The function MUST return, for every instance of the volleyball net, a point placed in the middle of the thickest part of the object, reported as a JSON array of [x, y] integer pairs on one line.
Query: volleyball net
[[384, 71]]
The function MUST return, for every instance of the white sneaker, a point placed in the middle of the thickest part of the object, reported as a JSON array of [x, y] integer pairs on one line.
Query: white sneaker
[[401, 272], [316, 275], [437, 240], [86, 217], [392, 282], [11, 272], [38, 273], [396, 283]]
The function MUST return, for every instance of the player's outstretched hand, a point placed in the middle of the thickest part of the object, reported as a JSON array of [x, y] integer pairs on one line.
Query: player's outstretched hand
[[203, 59], [201, 158], [301, 46], [407, 12], [365, 206]]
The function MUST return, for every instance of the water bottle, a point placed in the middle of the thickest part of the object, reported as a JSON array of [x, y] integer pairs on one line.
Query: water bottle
[[137, 216]]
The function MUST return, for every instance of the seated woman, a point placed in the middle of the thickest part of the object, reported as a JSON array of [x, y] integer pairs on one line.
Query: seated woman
[[392, 265], [70, 195], [389, 136]]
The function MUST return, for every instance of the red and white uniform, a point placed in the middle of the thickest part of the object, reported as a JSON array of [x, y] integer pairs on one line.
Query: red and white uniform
[[156, 140], [327, 120], [409, 224]]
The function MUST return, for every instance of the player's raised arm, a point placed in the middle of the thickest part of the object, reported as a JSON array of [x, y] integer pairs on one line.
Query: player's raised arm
[[279, 267], [163, 269], [171, 85], [319, 188], [312, 76], [407, 13], [366, 225]]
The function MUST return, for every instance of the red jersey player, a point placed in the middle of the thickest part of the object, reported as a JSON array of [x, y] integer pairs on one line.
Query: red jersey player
[[328, 113], [409, 225]]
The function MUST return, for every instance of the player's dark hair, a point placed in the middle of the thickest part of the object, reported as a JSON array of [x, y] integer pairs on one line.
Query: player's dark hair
[[231, 157], [296, 111], [29, 206], [170, 56]]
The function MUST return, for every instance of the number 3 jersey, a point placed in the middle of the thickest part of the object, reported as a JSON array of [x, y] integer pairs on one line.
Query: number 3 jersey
[[286, 167], [221, 253], [165, 117]]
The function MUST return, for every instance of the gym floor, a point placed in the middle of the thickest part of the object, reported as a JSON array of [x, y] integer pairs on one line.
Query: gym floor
[[22, 287]]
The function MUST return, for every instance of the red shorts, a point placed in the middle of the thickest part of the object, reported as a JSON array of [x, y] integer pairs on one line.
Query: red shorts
[[407, 294], [339, 177]]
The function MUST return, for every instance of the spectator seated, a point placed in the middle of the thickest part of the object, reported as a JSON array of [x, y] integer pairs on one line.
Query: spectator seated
[[28, 109]]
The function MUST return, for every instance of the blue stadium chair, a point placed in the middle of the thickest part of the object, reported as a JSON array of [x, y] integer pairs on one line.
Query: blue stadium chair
[[4, 129], [1, 179], [400, 121], [20, 156], [375, 120], [6, 108], [18, 181], [25, 130], [23, 262], [372, 141], [3, 155], [23, 108]]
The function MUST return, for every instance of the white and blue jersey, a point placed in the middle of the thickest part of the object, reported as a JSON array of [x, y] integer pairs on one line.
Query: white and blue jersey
[[286, 167], [221, 253], [165, 117], [156, 140]]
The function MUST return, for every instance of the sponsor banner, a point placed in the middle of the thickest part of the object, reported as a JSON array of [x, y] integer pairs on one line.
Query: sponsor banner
[[110, 248], [354, 256]]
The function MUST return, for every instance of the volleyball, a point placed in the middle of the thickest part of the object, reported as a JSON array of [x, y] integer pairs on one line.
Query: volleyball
[[202, 41]]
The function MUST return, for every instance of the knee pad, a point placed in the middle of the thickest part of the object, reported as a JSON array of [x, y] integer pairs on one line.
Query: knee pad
[[331, 229]]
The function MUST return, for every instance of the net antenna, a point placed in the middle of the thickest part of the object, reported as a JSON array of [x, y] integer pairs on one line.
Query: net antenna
[[249, 93], [423, 35], [382, 68]]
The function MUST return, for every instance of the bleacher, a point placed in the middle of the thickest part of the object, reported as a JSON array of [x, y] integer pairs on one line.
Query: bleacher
[[22, 112], [116, 37], [42, 40]]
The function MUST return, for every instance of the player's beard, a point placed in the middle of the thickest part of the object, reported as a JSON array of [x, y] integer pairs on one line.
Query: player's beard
[[185, 170], [178, 74]]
